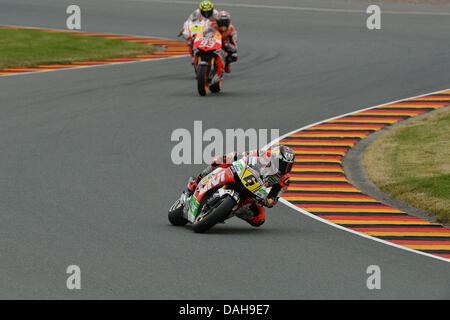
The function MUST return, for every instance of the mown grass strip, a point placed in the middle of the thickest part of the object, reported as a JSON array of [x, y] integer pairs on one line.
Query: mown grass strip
[[21, 48], [411, 163]]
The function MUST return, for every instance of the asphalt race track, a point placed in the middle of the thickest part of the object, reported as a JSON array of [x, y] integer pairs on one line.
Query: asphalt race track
[[86, 176]]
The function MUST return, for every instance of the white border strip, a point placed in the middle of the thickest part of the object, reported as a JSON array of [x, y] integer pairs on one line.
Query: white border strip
[[336, 10], [92, 66], [309, 214]]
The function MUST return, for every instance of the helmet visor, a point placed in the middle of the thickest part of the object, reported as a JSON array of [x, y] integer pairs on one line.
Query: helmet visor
[[206, 14], [285, 167]]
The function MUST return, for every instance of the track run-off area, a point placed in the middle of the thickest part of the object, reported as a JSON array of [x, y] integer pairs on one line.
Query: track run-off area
[[321, 189], [87, 178], [166, 49]]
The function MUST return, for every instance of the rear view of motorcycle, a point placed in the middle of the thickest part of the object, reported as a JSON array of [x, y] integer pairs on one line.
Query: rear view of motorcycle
[[189, 31], [206, 45]]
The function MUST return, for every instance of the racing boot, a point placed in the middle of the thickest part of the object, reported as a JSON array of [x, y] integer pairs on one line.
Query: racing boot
[[227, 68], [192, 185], [230, 58], [258, 220], [193, 182]]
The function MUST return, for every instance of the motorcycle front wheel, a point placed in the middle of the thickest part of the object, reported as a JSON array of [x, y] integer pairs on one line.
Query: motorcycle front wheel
[[219, 213], [202, 79]]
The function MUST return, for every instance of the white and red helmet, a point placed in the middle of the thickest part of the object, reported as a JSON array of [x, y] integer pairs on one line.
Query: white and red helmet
[[223, 21], [277, 160]]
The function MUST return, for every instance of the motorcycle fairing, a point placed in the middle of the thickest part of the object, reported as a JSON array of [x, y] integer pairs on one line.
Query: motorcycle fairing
[[217, 178]]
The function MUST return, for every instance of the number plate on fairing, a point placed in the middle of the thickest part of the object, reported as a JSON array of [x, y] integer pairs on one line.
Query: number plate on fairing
[[250, 180]]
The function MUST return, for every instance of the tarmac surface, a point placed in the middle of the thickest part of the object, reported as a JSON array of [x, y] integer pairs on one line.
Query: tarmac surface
[[86, 171]]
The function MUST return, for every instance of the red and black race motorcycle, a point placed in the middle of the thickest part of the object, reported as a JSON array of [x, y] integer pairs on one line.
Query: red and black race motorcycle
[[220, 195], [206, 43]]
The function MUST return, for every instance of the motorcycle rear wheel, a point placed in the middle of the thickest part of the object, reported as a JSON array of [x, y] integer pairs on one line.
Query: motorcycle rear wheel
[[176, 214], [218, 214]]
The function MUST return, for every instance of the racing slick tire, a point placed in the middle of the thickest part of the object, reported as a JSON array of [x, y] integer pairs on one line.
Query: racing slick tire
[[202, 79], [218, 214], [176, 214]]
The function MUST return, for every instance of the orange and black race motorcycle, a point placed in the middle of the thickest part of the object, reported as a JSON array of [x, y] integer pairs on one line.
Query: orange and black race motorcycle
[[205, 45]]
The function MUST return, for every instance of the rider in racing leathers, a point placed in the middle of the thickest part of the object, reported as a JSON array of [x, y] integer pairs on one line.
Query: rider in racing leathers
[[229, 38], [277, 162], [205, 11]]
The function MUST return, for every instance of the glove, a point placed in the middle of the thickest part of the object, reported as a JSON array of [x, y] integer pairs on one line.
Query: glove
[[269, 202]]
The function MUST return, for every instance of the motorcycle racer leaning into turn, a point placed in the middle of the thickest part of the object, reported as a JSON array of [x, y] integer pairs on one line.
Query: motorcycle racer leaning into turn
[[276, 164]]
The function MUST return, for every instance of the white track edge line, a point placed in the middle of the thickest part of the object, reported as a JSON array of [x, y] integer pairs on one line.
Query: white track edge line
[[287, 203], [87, 67], [85, 31], [309, 214], [273, 142]]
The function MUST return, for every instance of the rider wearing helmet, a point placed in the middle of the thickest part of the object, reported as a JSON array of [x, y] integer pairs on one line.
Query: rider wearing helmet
[[229, 38], [276, 164], [205, 11]]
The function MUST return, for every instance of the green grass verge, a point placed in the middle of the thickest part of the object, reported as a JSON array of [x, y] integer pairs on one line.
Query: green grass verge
[[411, 163], [30, 48]]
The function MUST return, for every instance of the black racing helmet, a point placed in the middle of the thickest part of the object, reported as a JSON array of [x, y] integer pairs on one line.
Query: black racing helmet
[[286, 158]]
